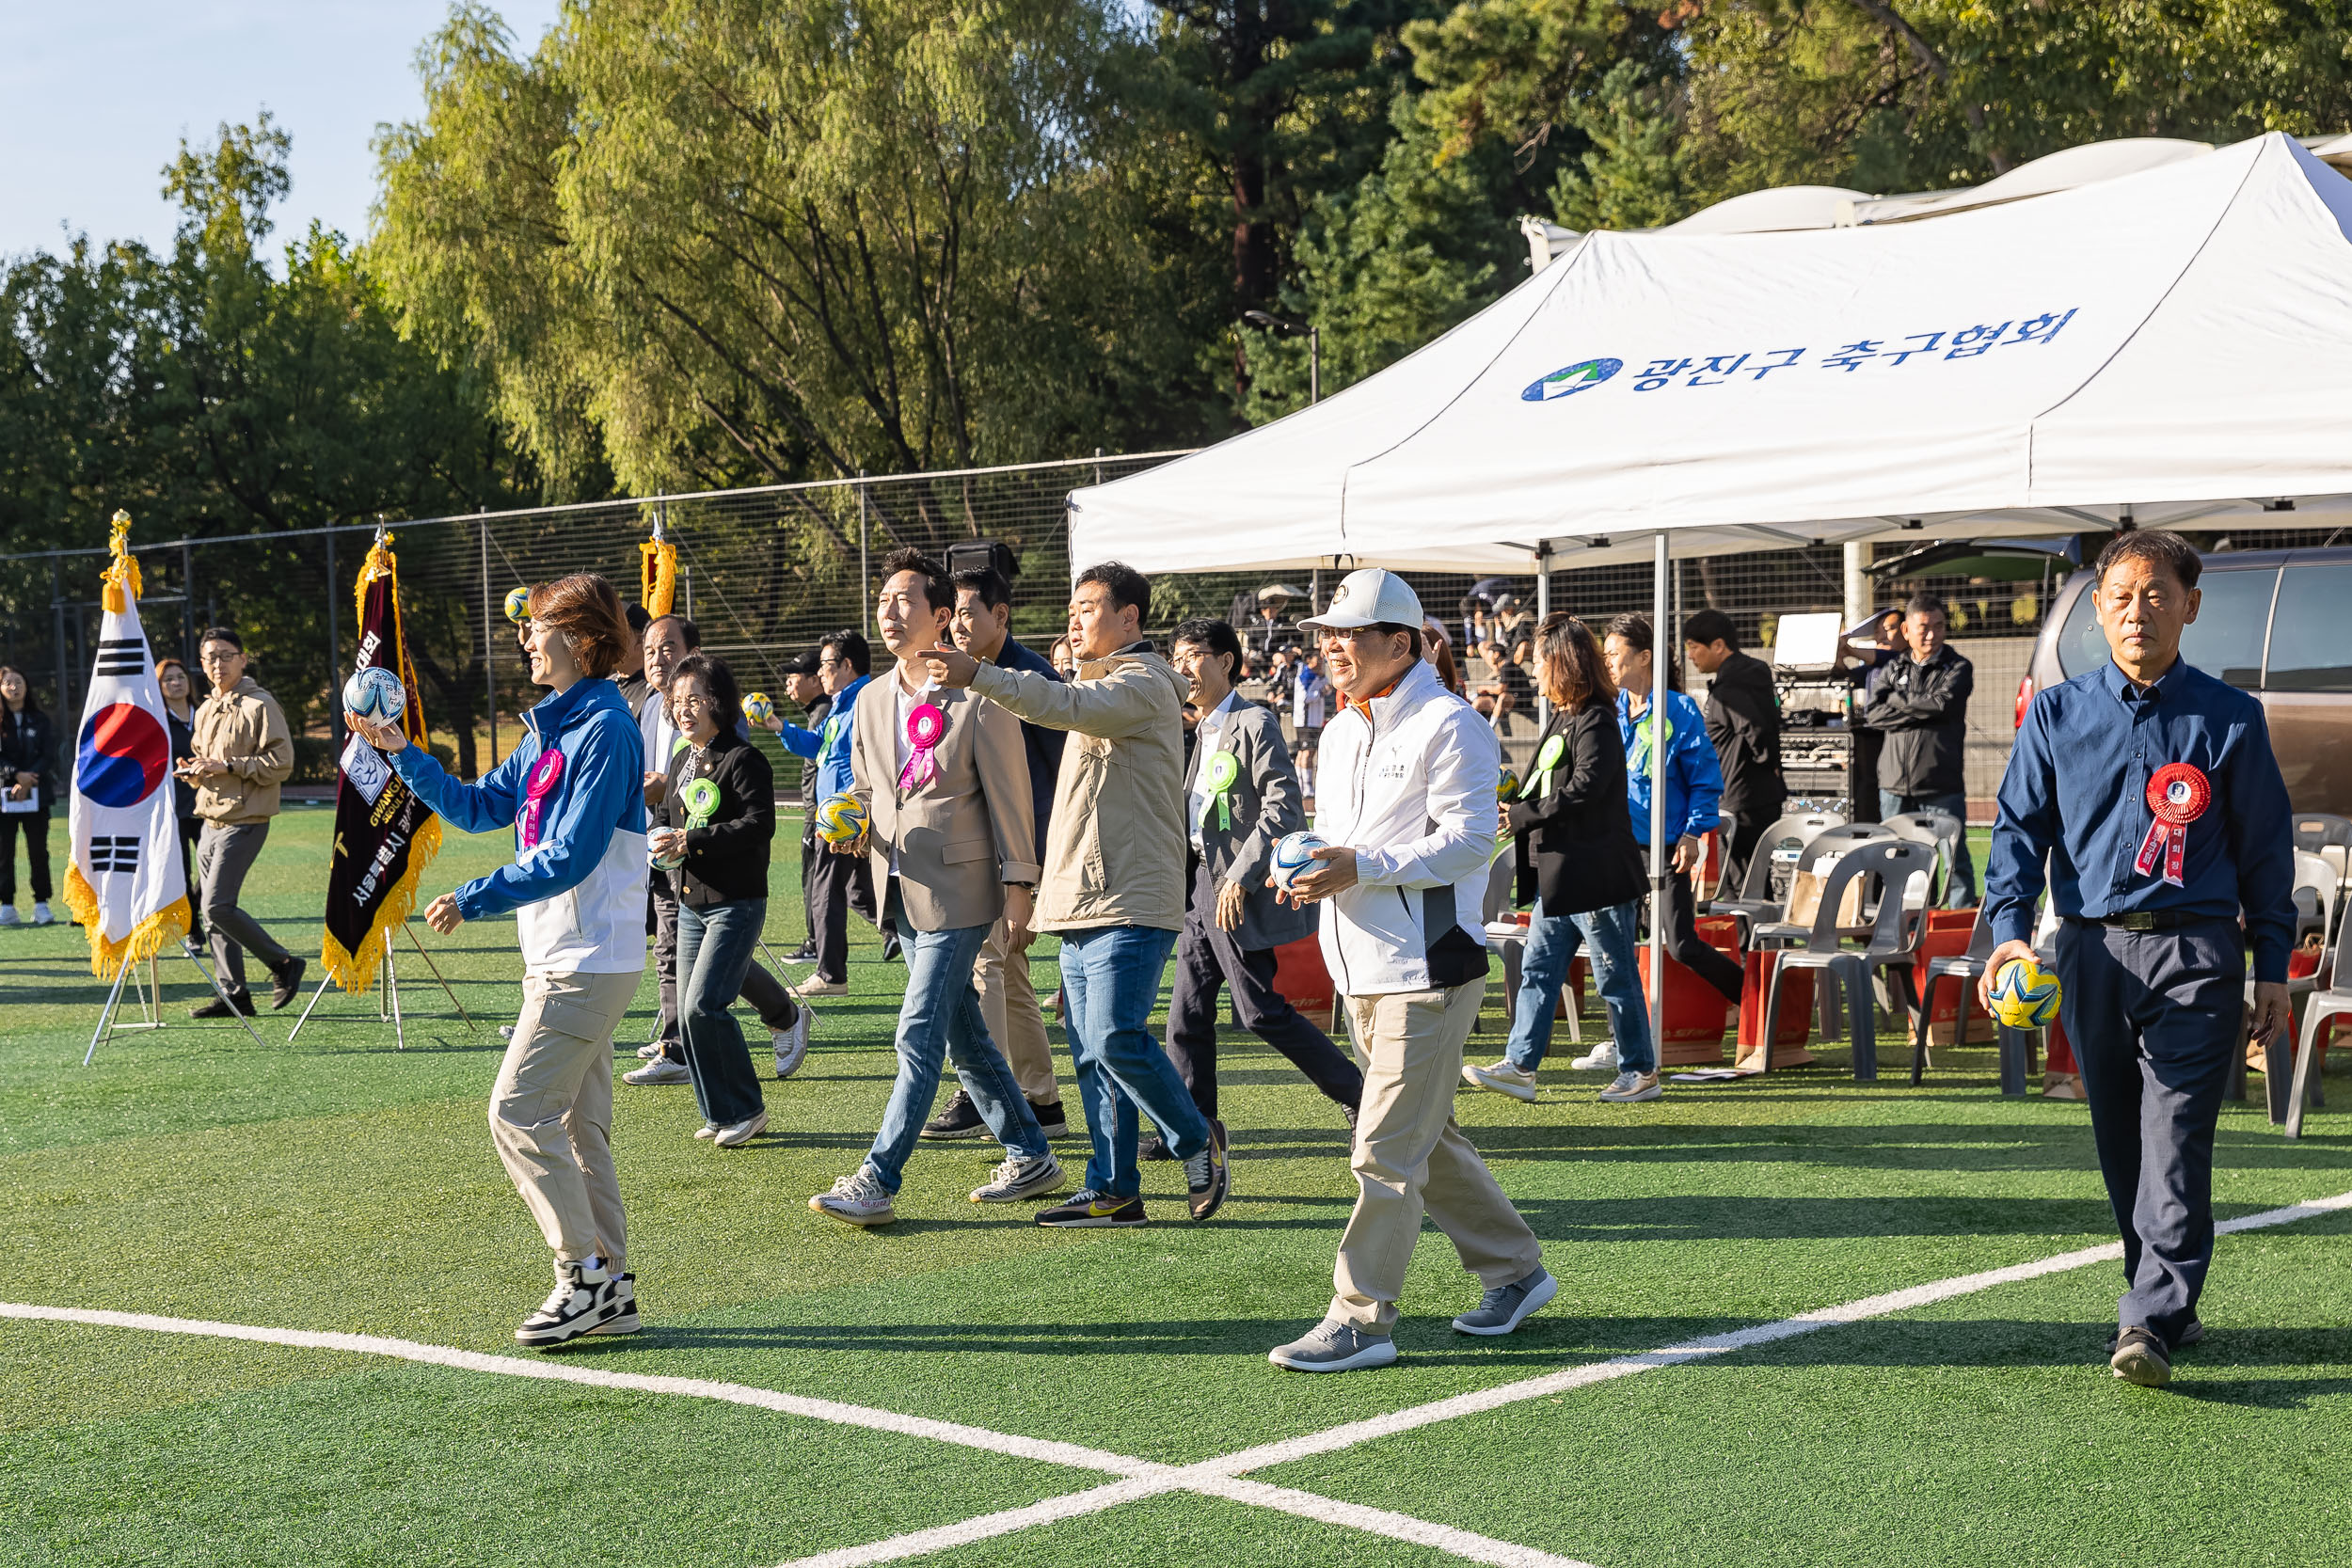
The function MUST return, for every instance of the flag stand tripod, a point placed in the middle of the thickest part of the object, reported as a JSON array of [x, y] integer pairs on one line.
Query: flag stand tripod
[[388, 996], [152, 1003]]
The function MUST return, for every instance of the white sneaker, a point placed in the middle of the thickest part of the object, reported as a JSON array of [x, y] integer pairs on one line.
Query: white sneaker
[[741, 1132], [1502, 1078], [648, 1050], [41, 915], [708, 1130], [1015, 1178], [506, 1031], [1630, 1086], [857, 1200], [792, 1044], [583, 1298], [8, 915], [625, 1297], [660, 1070], [1602, 1058], [814, 987]]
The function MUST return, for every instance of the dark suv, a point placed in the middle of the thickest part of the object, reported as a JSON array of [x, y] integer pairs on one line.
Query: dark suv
[[2276, 622]]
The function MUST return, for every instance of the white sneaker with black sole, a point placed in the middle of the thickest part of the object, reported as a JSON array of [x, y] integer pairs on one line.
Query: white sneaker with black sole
[[792, 1044], [1015, 1178], [585, 1298]]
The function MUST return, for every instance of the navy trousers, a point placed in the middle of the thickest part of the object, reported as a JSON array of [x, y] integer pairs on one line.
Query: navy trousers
[[1207, 960], [2154, 1017]]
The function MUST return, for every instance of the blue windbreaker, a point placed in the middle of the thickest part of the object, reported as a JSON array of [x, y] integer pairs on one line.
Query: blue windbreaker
[[1695, 779]]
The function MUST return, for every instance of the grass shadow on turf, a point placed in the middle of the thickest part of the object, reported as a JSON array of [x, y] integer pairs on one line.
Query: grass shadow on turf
[[1955, 1147]]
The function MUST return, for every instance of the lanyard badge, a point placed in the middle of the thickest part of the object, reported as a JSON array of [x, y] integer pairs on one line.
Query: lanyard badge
[[2178, 794], [1224, 768]]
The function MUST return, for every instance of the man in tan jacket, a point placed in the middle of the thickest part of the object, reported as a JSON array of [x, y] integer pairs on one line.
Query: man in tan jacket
[[945, 781], [241, 753], [1113, 884]]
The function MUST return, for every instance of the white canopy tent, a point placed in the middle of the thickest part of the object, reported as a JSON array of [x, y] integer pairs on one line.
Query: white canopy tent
[[2168, 348]]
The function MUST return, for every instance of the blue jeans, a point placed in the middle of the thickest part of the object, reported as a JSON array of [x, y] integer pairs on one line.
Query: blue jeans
[[714, 949], [1110, 976], [1553, 941], [1960, 885], [940, 1017]]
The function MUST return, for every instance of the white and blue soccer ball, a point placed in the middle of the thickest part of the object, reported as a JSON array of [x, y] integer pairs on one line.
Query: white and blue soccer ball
[[2025, 995], [374, 693], [1295, 856]]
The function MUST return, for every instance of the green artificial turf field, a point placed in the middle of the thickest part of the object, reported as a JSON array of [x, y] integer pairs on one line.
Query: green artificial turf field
[[338, 1184]]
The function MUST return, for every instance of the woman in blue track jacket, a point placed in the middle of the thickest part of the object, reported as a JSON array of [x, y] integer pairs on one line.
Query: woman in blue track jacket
[[1694, 782], [573, 791]]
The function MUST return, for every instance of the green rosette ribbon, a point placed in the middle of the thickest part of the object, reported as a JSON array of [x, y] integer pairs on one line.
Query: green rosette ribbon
[[701, 799], [1224, 768], [1539, 778]]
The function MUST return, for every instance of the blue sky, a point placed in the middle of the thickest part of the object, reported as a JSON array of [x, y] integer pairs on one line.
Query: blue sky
[[96, 94]]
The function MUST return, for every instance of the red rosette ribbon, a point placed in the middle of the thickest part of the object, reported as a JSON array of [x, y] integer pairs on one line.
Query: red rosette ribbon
[[2178, 794], [925, 725], [544, 775]]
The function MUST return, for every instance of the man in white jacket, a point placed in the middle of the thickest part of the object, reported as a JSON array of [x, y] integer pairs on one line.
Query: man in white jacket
[[1408, 804]]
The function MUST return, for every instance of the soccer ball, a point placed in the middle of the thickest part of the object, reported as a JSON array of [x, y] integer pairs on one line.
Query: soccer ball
[[1293, 857], [1508, 786], [374, 693], [759, 707], [670, 861], [518, 604], [840, 819], [2025, 995]]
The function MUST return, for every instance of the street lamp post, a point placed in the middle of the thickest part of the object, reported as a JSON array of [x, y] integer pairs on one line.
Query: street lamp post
[[1314, 346]]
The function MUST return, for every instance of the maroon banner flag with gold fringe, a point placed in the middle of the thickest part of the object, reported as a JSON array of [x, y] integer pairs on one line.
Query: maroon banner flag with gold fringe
[[384, 838]]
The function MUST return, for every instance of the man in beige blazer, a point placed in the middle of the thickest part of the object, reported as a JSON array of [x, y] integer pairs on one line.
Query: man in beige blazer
[[945, 780]]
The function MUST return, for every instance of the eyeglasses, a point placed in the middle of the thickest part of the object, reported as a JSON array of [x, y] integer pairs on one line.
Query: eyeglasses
[[691, 699], [220, 657]]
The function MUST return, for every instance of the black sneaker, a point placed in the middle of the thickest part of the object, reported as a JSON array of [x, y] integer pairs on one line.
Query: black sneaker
[[1153, 1147], [217, 1008], [286, 984], [1091, 1211], [890, 947], [583, 1301], [624, 1295], [1208, 1174], [1051, 1119], [805, 954], [2139, 1358], [961, 1119]]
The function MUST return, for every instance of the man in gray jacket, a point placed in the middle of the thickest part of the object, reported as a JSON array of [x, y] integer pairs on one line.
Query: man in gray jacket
[[1242, 796]]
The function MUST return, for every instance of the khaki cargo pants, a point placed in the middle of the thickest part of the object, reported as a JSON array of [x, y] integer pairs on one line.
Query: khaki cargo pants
[[551, 1112], [1008, 1007], [1409, 1158]]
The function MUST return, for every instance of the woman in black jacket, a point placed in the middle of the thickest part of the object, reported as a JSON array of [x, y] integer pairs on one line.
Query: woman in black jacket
[[27, 743], [716, 823], [1572, 820]]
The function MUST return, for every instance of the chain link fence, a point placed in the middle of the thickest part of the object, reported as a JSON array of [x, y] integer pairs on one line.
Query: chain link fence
[[766, 572]]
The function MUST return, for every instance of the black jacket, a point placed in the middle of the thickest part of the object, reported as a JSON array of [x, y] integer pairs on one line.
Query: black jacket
[[1923, 711], [28, 745], [182, 747], [1575, 841], [1743, 721], [726, 859]]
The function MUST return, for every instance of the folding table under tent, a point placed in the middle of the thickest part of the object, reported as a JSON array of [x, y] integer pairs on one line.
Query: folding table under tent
[[2171, 348]]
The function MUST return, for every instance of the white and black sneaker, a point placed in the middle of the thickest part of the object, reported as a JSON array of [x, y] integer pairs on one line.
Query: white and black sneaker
[[792, 1044], [1015, 1178], [625, 1320], [584, 1299]]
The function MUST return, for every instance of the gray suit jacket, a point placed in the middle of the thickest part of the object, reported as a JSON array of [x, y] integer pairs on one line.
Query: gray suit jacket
[[964, 835], [1266, 803]]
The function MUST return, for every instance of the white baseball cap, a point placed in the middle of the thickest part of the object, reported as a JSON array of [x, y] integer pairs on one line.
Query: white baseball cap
[[1371, 597]]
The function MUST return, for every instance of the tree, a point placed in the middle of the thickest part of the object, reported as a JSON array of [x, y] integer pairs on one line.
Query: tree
[[755, 242]]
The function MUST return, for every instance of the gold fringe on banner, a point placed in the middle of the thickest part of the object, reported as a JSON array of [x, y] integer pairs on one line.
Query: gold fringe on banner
[[656, 581], [146, 939], [356, 972]]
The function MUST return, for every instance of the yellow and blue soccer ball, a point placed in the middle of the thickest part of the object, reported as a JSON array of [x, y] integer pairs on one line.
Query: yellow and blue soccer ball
[[374, 693], [518, 603], [2025, 995], [759, 707], [840, 819], [1293, 857], [1507, 787]]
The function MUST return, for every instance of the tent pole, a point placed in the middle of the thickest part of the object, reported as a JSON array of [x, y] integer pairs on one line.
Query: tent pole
[[1543, 613], [1660, 906]]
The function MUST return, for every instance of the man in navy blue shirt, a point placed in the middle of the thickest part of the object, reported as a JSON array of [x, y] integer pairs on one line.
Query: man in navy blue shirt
[[2150, 788], [984, 628]]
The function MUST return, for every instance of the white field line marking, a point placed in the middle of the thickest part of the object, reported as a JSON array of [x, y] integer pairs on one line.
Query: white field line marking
[[1051, 1453], [1146, 1478]]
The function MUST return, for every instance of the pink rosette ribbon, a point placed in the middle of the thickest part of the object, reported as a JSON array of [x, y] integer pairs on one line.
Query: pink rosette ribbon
[[925, 725], [544, 775]]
